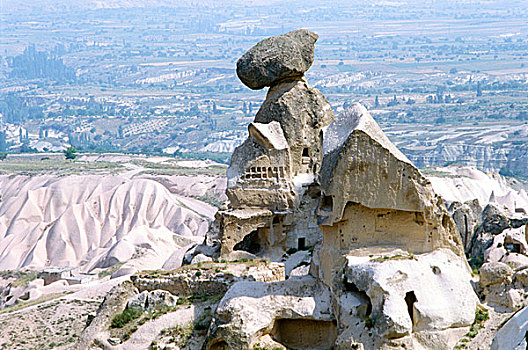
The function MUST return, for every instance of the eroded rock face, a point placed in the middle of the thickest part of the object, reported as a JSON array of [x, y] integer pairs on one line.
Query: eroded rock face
[[277, 58], [508, 246], [115, 302], [294, 313], [209, 278], [467, 217], [513, 334], [401, 291], [271, 177], [384, 226], [500, 233], [373, 196], [503, 287], [494, 220]]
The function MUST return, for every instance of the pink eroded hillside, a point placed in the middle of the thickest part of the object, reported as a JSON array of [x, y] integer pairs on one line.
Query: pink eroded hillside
[[91, 221]]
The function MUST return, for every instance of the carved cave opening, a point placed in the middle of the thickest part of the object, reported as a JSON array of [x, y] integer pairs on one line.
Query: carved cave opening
[[362, 295], [445, 220], [251, 243], [305, 334], [219, 345], [327, 203], [410, 299], [301, 243]]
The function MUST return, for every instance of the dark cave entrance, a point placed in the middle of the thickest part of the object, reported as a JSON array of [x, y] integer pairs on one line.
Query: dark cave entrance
[[410, 299], [301, 243], [351, 287], [305, 334], [327, 203], [251, 243]]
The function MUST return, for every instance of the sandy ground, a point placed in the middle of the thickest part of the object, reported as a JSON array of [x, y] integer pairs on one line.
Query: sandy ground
[[54, 324], [483, 339]]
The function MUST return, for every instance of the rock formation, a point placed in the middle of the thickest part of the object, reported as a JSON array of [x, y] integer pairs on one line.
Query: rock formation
[[467, 217], [272, 173], [386, 235], [388, 240], [513, 334], [492, 233], [369, 188], [295, 313], [277, 58]]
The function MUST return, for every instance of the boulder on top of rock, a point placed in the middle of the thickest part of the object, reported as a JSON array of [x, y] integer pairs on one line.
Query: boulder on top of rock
[[276, 58]]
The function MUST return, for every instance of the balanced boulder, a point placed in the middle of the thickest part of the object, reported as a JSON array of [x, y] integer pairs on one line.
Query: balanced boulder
[[277, 58]]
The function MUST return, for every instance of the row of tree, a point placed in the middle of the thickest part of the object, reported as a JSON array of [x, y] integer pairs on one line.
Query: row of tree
[[33, 64]]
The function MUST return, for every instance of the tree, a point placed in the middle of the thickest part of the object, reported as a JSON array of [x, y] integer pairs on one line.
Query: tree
[[479, 90], [393, 102], [70, 153], [215, 110], [376, 102]]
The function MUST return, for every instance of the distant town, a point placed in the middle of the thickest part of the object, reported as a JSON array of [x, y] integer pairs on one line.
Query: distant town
[[161, 80]]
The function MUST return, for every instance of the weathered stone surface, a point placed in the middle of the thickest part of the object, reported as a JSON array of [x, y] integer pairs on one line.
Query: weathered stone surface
[[277, 58], [496, 285], [237, 255], [508, 247], [208, 279], [237, 224], [302, 112], [297, 259], [200, 249], [513, 334], [494, 273], [302, 270], [499, 234], [138, 301], [124, 271], [467, 217], [201, 258], [494, 220], [373, 196], [114, 302], [176, 259], [296, 313], [400, 290], [367, 168], [521, 277], [160, 298]]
